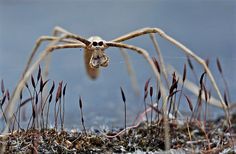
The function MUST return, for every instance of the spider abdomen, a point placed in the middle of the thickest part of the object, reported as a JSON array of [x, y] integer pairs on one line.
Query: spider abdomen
[[92, 72]]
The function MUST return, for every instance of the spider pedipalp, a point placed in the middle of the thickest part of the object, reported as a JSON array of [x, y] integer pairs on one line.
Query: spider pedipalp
[[98, 58]]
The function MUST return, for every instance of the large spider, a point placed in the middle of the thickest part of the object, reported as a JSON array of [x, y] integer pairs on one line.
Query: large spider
[[95, 56]]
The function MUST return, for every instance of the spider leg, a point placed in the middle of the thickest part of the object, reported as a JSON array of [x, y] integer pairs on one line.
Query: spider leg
[[201, 62], [130, 71], [38, 42], [143, 32], [66, 35], [160, 58], [145, 55], [183, 48], [156, 73], [137, 33], [58, 29], [9, 108]]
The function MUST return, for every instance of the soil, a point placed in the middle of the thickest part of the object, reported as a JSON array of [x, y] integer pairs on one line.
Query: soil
[[188, 137]]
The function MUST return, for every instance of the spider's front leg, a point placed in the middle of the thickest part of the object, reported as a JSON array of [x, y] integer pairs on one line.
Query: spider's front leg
[[65, 37], [38, 42], [185, 50], [21, 84]]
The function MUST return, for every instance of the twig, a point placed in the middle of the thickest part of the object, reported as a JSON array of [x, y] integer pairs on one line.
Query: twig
[[124, 101]]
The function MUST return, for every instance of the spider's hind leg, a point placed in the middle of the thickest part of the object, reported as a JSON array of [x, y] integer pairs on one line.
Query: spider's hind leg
[[58, 29], [130, 71]]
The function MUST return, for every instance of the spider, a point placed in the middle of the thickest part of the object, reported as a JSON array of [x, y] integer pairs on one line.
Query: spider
[[95, 56], [94, 48]]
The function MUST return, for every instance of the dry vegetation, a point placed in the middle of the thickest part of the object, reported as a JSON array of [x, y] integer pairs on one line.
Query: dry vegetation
[[191, 134]]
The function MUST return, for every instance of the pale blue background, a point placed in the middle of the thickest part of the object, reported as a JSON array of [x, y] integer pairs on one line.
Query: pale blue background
[[206, 27]]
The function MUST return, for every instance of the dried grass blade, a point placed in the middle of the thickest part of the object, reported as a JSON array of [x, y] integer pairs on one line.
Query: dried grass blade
[[173, 86], [207, 62], [151, 91], [26, 101], [3, 100], [21, 95], [226, 100], [219, 65], [205, 92], [159, 95], [39, 73], [123, 95], [156, 64], [33, 82], [8, 94], [64, 90], [59, 90], [2, 87], [173, 93], [36, 98], [80, 103], [52, 88], [190, 63], [184, 73], [146, 84], [42, 84], [50, 98], [201, 79], [190, 104]]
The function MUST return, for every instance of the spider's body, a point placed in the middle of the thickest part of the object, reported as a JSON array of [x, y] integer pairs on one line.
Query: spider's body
[[94, 56]]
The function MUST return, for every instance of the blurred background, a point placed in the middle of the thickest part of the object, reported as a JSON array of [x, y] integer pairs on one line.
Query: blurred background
[[207, 27]]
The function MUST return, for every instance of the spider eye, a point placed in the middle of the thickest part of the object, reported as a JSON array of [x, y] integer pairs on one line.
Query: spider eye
[[100, 43], [95, 43]]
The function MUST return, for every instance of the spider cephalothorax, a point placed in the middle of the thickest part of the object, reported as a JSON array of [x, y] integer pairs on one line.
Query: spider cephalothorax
[[98, 56], [94, 56]]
